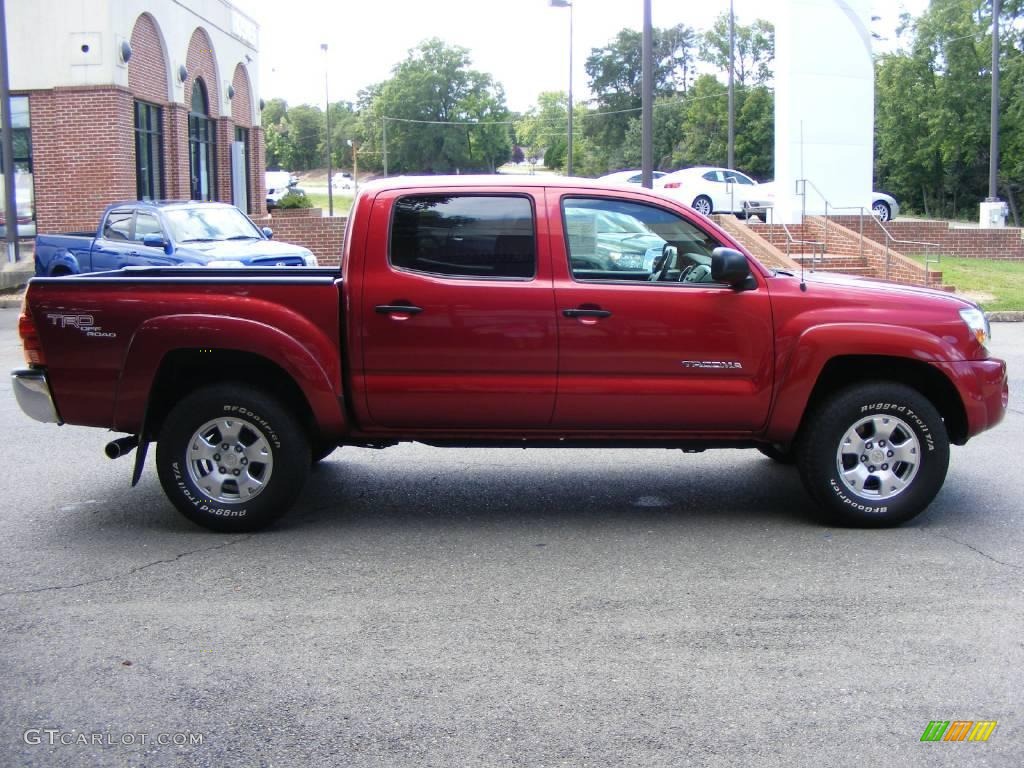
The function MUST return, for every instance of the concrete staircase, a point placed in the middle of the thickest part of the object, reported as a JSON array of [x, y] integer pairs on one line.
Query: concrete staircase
[[826, 246]]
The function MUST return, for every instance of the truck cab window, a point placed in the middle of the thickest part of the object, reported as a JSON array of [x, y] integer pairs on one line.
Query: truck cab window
[[118, 225], [146, 224], [609, 239], [464, 236]]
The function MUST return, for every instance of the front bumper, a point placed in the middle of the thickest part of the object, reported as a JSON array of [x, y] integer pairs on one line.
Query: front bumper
[[32, 391], [984, 391]]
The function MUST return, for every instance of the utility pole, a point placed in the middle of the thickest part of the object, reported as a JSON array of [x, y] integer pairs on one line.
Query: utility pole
[[647, 103], [731, 163], [327, 114], [7, 148], [993, 141]]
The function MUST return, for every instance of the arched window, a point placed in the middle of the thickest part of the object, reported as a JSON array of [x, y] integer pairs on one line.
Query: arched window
[[201, 145]]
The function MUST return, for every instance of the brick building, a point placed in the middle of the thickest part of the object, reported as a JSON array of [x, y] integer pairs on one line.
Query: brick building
[[125, 99]]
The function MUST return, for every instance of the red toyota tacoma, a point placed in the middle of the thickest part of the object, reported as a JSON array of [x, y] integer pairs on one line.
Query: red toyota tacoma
[[512, 312]]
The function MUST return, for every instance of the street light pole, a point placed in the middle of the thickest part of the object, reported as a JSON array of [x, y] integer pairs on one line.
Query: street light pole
[[327, 114], [567, 4], [355, 167]]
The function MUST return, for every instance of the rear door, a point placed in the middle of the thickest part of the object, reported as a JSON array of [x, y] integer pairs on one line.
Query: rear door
[[654, 344], [111, 248], [457, 311]]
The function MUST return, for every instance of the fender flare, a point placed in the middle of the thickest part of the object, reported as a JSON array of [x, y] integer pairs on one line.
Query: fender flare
[[64, 258], [818, 345], [303, 362]]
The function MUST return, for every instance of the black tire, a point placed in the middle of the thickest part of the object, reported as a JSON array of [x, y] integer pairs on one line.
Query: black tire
[[321, 451], [702, 204], [882, 210], [252, 424], [778, 453], [889, 438]]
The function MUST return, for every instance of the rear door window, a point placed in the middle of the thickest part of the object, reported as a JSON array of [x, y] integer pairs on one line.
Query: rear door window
[[478, 236], [118, 225]]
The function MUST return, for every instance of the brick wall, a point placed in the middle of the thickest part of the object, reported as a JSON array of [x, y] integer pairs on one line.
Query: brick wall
[[147, 69], [1003, 244], [83, 138], [322, 235], [83, 154]]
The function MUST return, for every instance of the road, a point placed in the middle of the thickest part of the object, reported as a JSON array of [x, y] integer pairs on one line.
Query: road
[[427, 607]]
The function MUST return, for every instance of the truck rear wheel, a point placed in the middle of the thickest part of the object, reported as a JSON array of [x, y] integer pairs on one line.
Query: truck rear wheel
[[874, 455], [231, 458]]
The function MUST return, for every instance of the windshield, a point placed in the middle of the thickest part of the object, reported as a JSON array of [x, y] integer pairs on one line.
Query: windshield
[[201, 224]]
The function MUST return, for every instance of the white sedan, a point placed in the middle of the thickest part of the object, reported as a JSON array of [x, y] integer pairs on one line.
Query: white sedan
[[341, 181], [711, 190], [883, 206], [628, 177]]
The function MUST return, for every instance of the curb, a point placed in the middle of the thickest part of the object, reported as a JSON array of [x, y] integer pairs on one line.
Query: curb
[[11, 301]]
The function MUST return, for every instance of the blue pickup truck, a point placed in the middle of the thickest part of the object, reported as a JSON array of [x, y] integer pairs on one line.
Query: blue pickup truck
[[166, 234]]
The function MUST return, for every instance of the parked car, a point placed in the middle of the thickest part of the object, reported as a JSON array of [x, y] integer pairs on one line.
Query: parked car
[[628, 177], [166, 233], [883, 206], [463, 320], [341, 181], [279, 183], [711, 190]]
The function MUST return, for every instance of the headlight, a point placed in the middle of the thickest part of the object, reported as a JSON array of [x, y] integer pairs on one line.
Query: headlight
[[225, 263], [978, 324], [309, 260]]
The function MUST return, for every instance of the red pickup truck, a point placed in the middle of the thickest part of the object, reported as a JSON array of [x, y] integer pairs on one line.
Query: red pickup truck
[[525, 312]]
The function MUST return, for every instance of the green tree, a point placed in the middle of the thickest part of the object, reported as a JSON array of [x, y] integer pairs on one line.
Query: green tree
[[442, 115], [615, 75], [304, 128], [754, 49], [932, 109]]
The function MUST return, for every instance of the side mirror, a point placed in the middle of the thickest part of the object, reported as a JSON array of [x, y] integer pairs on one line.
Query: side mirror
[[729, 266], [268, 233], [154, 241]]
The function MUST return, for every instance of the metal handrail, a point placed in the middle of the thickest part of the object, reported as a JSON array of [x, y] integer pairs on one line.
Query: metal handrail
[[815, 244], [927, 255]]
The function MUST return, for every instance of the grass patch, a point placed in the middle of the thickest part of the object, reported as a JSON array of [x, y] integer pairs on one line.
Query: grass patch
[[342, 201], [995, 285]]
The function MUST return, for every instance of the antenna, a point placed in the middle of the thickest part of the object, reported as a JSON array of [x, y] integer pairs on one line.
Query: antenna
[[803, 209]]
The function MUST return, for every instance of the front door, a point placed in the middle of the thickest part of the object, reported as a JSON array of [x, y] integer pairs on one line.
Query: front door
[[647, 340], [457, 312]]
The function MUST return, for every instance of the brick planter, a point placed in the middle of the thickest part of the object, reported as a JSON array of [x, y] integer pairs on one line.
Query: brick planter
[[296, 213]]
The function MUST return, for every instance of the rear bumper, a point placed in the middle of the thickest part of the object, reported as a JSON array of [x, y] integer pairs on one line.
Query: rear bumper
[[32, 391], [984, 391]]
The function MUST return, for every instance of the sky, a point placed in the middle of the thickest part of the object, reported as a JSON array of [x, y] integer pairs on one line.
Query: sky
[[523, 44]]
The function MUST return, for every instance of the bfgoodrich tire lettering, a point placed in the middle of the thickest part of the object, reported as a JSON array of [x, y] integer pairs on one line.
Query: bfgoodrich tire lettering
[[874, 454], [232, 458]]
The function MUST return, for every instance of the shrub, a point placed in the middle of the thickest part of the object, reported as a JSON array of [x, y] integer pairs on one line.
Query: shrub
[[295, 199]]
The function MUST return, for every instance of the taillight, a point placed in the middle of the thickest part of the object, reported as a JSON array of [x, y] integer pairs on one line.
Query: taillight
[[672, 185], [30, 343]]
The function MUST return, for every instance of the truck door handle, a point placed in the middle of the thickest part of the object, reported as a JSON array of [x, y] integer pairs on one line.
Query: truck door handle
[[393, 309], [587, 312]]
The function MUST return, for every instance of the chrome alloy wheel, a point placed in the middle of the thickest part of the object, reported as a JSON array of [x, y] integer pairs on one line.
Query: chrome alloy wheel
[[230, 459], [878, 457]]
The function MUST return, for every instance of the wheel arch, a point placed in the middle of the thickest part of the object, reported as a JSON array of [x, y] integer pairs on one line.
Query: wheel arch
[[171, 356], [183, 371], [845, 370]]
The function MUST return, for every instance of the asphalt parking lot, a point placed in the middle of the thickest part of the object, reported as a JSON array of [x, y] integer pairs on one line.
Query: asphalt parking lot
[[428, 607]]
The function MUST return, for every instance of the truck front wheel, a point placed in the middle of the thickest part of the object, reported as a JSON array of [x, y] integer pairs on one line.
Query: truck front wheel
[[874, 455], [231, 458]]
